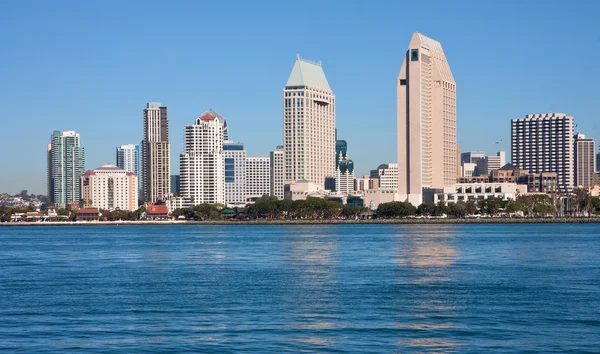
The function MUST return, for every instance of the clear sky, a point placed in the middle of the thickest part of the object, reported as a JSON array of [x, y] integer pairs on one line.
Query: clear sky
[[91, 66]]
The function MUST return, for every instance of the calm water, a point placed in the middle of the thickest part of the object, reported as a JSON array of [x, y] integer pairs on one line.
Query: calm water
[[256, 289]]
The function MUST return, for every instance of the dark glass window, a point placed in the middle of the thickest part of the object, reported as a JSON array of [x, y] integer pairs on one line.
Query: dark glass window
[[414, 55], [403, 82]]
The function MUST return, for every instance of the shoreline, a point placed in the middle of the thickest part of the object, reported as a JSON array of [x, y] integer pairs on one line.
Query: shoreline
[[572, 220]]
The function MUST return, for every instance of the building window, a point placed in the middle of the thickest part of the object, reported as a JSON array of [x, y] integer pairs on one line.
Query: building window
[[414, 55]]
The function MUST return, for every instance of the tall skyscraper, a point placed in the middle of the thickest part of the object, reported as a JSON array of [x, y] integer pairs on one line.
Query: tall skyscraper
[[544, 143], [258, 176], [344, 168], [584, 161], [156, 154], [277, 172], [66, 164], [426, 96], [308, 124], [201, 165], [235, 172], [109, 187]]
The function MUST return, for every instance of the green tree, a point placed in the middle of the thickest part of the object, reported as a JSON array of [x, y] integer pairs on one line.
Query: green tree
[[426, 209], [395, 209], [458, 209], [351, 211]]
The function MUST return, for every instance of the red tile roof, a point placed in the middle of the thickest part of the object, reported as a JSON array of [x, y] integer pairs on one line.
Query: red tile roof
[[207, 116], [158, 210]]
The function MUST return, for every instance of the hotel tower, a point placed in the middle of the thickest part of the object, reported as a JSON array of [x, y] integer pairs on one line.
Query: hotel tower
[[426, 96], [308, 124]]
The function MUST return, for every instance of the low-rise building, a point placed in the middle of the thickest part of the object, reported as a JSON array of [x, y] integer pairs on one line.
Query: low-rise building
[[374, 197], [300, 190], [109, 187]]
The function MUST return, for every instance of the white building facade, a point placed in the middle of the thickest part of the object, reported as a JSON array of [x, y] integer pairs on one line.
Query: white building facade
[[387, 175], [277, 172], [234, 157], [202, 164], [309, 124], [109, 188], [544, 143], [258, 177]]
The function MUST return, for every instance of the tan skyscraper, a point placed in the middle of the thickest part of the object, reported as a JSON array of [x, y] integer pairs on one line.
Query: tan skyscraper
[[156, 154], [308, 124], [426, 120]]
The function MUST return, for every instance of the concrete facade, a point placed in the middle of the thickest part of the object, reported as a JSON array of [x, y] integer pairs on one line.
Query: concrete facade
[[156, 154], [308, 124], [387, 174], [109, 188], [201, 165], [544, 143], [234, 156], [277, 174], [426, 98], [258, 177], [584, 161]]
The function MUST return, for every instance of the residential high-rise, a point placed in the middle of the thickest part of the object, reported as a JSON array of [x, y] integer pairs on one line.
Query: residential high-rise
[[66, 164], [258, 176], [201, 165], [544, 143], [128, 158], [308, 124], [426, 96], [156, 154], [235, 173], [387, 174], [344, 169], [109, 187], [277, 172], [584, 161]]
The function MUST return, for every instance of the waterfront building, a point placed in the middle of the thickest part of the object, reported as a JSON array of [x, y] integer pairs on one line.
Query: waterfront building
[[201, 165], [426, 98], [108, 188], [544, 143], [478, 191], [309, 124], [584, 161], [156, 154], [258, 177], [374, 197], [387, 175], [545, 182], [277, 172], [234, 156], [344, 169], [66, 164], [300, 190]]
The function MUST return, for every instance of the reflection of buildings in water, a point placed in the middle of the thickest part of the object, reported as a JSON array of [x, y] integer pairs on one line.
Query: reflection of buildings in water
[[425, 255], [310, 257]]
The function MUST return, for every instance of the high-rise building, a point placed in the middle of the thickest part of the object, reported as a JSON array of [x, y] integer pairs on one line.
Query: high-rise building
[[426, 96], [109, 187], [156, 154], [201, 168], [175, 185], [544, 143], [235, 173], [66, 164], [598, 162], [128, 158], [277, 172], [492, 163], [258, 176], [477, 158], [584, 161], [344, 168], [309, 124], [387, 174]]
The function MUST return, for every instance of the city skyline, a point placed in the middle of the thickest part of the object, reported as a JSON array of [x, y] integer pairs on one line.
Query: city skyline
[[38, 102]]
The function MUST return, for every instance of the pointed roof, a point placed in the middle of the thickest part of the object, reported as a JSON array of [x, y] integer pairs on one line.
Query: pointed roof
[[307, 73], [508, 167], [211, 114]]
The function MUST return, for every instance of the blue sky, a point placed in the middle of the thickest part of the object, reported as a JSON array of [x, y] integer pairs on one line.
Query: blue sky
[[91, 66]]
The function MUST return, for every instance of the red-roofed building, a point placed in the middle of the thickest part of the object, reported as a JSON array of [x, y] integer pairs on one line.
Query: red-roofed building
[[88, 214], [157, 212]]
